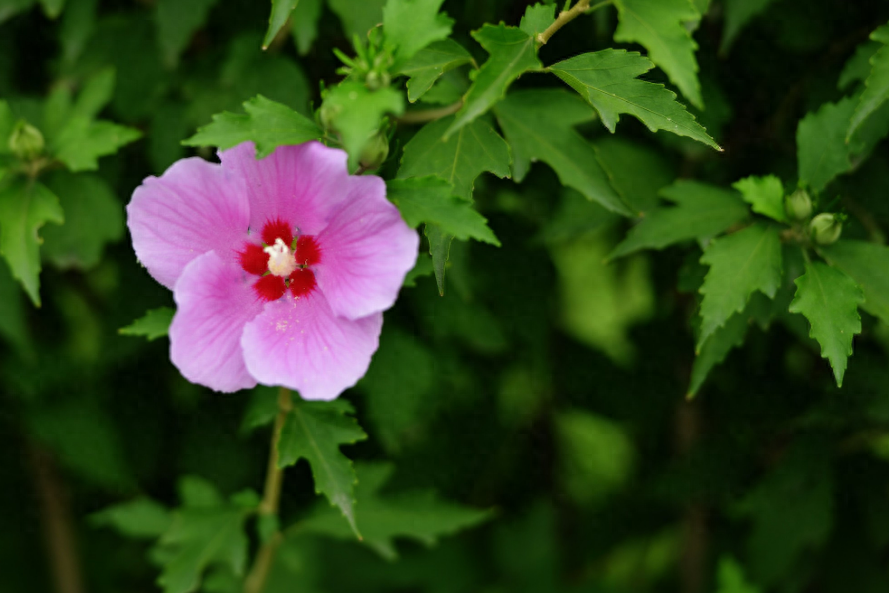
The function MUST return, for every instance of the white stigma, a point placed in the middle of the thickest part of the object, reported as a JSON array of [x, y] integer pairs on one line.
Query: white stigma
[[282, 261]]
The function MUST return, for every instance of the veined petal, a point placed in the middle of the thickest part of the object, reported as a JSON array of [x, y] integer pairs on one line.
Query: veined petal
[[301, 344], [301, 185], [214, 300], [193, 208], [366, 250]]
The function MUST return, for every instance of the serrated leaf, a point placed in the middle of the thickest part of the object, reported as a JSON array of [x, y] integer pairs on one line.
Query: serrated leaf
[[538, 18], [25, 206], [356, 113], [622, 158], [822, 151], [868, 265], [268, 124], [857, 68], [876, 88], [540, 125], [411, 25], [314, 431], [660, 27], [154, 324], [701, 211], [430, 63], [740, 264], [93, 218], [431, 200], [829, 299], [714, 350], [764, 194], [139, 518], [460, 158], [177, 20], [417, 515], [81, 142], [281, 10], [607, 80], [512, 52], [440, 251], [737, 14]]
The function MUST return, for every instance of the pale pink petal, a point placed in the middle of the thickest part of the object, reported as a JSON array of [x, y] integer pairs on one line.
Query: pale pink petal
[[194, 207], [366, 250], [301, 344], [214, 301], [301, 185]]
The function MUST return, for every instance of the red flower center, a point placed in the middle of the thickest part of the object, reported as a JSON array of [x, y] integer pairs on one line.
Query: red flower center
[[282, 262]]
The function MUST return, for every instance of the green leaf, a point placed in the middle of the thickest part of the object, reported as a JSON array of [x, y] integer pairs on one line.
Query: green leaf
[[13, 325], [431, 200], [512, 52], [358, 16], [416, 515], [411, 25], [701, 211], [281, 9], [660, 26], [764, 194], [868, 264], [829, 299], [622, 158], [730, 577], [305, 24], [82, 141], [267, 123], [430, 63], [876, 88], [857, 68], [7, 124], [714, 350], [540, 125], [202, 535], [607, 80], [460, 158], [154, 324], [139, 518], [737, 14], [95, 95], [822, 151], [314, 431], [740, 264], [538, 18], [93, 217], [77, 26], [52, 8], [25, 206], [356, 113], [440, 250], [177, 21], [262, 408]]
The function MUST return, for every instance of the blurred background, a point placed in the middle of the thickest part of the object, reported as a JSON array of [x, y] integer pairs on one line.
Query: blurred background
[[545, 390]]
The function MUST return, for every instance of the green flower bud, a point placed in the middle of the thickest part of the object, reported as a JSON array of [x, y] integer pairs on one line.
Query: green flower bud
[[375, 151], [825, 228], [26, 141], [798, 205]]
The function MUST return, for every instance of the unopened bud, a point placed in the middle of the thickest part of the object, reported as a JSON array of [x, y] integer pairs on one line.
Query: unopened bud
[[798, 205], [26, 141], [825, 228], [375, 151]]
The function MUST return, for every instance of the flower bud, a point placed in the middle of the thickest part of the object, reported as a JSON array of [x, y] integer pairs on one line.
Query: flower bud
[[798, 205], [375, 151], [26, 141], [825, 228]]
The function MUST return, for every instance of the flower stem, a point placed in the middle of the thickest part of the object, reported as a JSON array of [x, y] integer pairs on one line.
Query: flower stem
[[566, 16], [424, 115], [271, 497]]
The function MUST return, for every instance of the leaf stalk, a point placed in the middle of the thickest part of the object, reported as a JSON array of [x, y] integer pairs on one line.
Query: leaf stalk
[[566, 16]]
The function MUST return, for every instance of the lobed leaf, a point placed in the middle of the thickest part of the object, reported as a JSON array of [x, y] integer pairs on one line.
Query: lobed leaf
[[822, 151], [829, 299], [154, 324], [607, 80], [411, 25], [715, 349], [764, 194], [82, 141], [538, 18], [876, 86], [281, 10], [867, 264], [430, 63]]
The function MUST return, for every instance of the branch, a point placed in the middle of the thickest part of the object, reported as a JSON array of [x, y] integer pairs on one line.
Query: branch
[[566, 16]]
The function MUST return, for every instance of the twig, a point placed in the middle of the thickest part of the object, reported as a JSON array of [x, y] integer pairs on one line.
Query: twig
[[566, 16]]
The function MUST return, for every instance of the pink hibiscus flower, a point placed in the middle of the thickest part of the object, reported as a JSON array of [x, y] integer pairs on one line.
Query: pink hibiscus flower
[[281, 268]]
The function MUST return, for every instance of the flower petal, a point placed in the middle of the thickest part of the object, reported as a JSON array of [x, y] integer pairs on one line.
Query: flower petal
[[214, 300], [193, 208], [301, 344], [366, 250], [301, 185]]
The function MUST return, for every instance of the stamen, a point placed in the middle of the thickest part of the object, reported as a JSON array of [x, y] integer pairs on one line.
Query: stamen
[[281, 259]]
